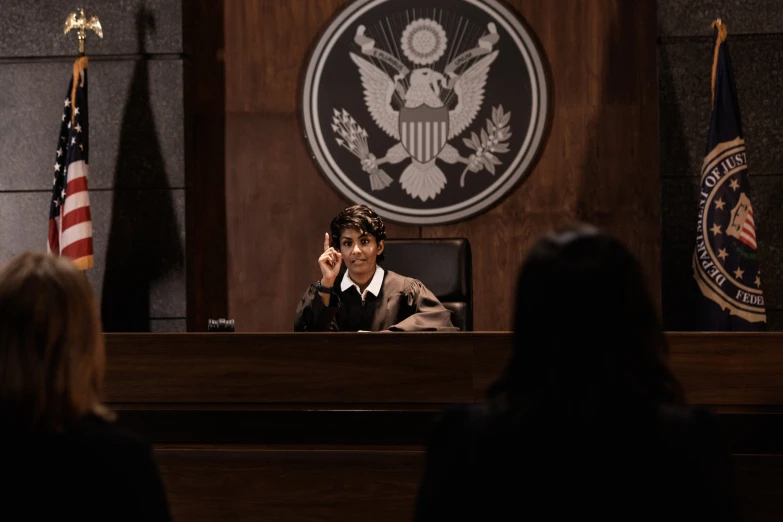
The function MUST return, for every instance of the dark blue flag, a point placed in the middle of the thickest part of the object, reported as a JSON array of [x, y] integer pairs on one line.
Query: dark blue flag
[[725, 262]]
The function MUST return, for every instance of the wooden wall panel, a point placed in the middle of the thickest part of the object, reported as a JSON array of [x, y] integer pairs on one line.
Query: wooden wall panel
[[600, 163], [413, 368], [207, 283], [759, 481], [314, 368], [332, 426], [266, 43], [740, 369], [278, 206], [215, 485], [278, 209], [211, 484]]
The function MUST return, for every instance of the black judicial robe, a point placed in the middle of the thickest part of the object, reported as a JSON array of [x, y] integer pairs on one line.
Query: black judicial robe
[[403, 305]]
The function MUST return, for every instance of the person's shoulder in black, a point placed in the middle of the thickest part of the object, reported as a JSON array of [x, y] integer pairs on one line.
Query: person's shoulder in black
[[587, 420], [61, 456], [483, 464], [94, 471]]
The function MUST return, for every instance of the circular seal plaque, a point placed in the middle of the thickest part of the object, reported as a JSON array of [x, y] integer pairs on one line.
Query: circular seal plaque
[[725, 262], [429, 111]]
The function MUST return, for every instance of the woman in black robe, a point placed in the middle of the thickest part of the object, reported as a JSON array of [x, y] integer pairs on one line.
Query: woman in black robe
[[365, 297]]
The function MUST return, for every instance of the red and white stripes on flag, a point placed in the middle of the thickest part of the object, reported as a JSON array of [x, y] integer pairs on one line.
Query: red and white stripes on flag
[[748, 233], [75, 221], [70, 222]]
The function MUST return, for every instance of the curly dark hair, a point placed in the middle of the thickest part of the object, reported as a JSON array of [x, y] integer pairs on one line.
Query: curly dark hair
[[358, 217]]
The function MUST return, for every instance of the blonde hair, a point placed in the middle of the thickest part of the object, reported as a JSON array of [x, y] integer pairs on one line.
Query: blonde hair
[[52, 353]]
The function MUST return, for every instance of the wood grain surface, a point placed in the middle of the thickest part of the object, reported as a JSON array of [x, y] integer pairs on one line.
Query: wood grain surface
[[332, 426], [600, 163], [424, 368]]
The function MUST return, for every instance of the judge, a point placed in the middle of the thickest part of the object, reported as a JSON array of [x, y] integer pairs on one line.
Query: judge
[[366, 297]]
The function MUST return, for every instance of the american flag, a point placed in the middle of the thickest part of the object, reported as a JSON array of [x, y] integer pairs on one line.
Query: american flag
[[70, 223], [747, 232]]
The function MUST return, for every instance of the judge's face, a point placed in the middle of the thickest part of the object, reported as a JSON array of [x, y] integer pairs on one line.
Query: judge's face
[[359, 252]]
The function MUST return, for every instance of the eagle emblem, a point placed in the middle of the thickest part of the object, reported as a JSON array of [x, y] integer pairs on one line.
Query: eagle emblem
[[81, 23], [409, 105], [413, 108]]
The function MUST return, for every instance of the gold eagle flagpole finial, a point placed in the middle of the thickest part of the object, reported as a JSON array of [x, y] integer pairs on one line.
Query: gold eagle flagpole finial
[[82, 24]]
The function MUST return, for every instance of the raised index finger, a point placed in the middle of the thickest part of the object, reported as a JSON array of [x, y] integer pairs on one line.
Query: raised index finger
[[326, 241]]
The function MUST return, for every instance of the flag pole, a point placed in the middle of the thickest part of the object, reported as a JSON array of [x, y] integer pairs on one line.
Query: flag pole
[[726, 258], [70, 220], [82, 24]]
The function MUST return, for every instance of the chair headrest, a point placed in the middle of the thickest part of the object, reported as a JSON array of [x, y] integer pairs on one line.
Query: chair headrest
[[443, 265]]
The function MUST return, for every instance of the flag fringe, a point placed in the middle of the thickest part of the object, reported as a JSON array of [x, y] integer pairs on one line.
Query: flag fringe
[[79, 65], [83, 263], [722, 33]]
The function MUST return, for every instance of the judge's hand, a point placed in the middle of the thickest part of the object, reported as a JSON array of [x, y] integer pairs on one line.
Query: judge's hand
[[329, 262]]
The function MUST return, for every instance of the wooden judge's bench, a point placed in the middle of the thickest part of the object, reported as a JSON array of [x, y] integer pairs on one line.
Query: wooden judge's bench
[[333, 426]]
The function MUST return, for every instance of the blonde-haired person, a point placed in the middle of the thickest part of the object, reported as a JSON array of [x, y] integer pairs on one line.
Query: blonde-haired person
[[61, 453]]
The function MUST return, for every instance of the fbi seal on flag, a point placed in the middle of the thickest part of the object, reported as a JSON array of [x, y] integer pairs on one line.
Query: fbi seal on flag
[[725, 262], [430, 111]]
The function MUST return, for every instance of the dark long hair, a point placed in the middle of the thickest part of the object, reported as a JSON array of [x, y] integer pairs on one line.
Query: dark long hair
[[586, 333]]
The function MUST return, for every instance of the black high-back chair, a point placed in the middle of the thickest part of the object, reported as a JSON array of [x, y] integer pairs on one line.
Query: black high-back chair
[[443, 265]]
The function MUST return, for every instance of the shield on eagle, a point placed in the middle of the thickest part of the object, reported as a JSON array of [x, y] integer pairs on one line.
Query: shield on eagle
[[424, 131]]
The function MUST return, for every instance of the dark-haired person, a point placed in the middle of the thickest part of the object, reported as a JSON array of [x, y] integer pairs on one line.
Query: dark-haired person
[[62, 456], [366, 297], [587, 422]]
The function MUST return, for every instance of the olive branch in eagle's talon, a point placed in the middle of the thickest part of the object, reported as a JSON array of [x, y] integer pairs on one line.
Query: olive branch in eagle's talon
[[493, 140], [354, 138]]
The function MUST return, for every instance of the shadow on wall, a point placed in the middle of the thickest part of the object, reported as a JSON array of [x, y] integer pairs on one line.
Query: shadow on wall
[[680, 293], [615, 189], [144, 244]]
